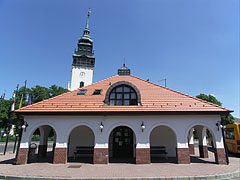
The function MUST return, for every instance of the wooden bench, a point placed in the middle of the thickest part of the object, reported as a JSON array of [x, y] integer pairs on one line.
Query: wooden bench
[[83, 151], [158, 151]]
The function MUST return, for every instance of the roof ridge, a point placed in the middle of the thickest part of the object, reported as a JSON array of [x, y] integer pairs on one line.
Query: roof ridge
[[182, 93]]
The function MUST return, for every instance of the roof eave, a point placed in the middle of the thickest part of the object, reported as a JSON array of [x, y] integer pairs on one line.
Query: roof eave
[[124, 113]]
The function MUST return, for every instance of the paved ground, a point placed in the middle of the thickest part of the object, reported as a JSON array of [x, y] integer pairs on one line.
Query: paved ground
[[202, 167]]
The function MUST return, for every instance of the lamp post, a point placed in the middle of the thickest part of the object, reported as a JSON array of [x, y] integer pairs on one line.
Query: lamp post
[[101, 126], [142, 126]]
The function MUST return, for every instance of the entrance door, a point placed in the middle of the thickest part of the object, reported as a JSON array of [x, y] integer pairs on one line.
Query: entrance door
[[122, 142]]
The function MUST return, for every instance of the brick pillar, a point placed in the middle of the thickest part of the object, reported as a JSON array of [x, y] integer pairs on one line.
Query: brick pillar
[[191, 148], [203, 151], [183, 155], [42, 150], [143, 156], [60, 156], [220, 156], [22, 156], [100, 156]]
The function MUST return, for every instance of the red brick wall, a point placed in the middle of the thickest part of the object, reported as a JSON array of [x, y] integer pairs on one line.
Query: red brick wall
[[191, 148], [220, 156], [100, 156], [203, 151], [22, 156], [60, 156], [183, 155], [143, 156]]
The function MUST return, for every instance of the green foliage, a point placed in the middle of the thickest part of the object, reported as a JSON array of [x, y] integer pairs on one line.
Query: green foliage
[[227, 120], [37, 93], [56, 90], [5, 107], [209, 98]]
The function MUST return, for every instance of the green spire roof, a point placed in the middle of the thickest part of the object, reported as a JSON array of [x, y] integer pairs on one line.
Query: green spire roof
[[86, 31]]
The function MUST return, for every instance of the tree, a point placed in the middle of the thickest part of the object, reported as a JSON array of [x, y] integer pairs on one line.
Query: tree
[[56, 90], [37, 93], [209, 98], [5, 108], [212, 99]]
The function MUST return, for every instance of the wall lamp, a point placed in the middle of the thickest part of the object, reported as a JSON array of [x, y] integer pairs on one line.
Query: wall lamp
[[24, 126], [142, 126], [101, 126], [219, 125]]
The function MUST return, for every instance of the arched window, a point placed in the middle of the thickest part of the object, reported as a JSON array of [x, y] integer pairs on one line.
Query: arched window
[[123, 95], [81, 84]]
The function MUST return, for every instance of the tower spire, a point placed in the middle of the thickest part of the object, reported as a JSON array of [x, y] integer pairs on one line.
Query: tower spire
[[86, 31]]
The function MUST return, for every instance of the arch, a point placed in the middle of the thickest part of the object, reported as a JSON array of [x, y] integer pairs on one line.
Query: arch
[[38, 126], [204, 125], [122, 145], [80, 124], [81, 141], [158, 141], [81, 84], [162, 124], [120, 124], [38, 148], [106, 100]]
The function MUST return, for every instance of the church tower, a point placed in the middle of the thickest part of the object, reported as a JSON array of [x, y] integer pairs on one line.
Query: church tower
[[83, 60]]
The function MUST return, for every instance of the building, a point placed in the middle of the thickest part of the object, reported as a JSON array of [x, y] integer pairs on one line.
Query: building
[[121, 119]]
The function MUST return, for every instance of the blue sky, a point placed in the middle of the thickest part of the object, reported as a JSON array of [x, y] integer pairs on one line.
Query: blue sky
[[194, 44]]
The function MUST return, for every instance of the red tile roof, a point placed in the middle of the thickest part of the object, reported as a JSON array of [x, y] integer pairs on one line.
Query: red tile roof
[[154, 98]]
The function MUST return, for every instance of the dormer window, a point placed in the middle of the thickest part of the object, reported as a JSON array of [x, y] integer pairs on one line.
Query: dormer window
[[97, 92], [82, 92], [123, 95]]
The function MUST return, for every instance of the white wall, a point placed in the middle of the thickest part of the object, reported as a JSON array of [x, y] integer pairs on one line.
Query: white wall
[[76, 78], [181, 125], [164, 136], [80, 136]]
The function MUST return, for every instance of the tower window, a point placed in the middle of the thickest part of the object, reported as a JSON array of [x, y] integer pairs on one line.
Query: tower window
[[97, 92], [81, 84], [123, 96], [82, 92]]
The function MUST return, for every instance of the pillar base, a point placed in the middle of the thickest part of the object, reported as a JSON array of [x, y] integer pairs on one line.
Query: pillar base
[[22, 156], [183, 156], [60, 156], [42, 150], [191, 148], [143, 156], [100, 156], [203, 151], [220, 156]]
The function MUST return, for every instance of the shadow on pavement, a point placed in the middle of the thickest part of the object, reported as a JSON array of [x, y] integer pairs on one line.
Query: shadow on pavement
[[9, 161]]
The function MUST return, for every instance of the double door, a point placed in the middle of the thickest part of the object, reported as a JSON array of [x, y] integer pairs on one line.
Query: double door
[[122, 142]]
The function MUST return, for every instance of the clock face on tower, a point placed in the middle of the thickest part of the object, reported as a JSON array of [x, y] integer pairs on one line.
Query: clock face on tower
[[82, 74]]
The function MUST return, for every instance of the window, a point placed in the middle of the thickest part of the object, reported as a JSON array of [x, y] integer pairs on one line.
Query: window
[[123, 96], [81, 84], [230, 133], [82, 92], [97, 92]]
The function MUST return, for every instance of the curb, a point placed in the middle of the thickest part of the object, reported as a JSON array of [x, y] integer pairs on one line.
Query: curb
[[207, 177]]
